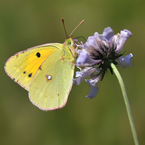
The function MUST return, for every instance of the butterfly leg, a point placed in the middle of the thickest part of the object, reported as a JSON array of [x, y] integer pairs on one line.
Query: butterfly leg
[[73, 51], [71, 63], [76, 48]]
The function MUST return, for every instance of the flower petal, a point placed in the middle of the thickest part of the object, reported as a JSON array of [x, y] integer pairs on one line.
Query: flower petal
[[93, 91], [84, 59], [90, 42], [83, 74], [120, 39], [108, 33], [125, 61]]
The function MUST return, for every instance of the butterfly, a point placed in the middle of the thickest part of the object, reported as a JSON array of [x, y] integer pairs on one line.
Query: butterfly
[[46, 72]]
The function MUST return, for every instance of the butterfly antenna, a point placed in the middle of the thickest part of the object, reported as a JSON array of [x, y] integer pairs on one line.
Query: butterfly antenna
[[64, 27], [77, 27]]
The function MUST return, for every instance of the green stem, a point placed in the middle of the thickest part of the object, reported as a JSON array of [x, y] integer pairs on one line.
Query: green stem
[[126, 103]]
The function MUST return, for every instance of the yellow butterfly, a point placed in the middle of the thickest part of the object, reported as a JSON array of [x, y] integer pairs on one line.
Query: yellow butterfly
[[46, 71]]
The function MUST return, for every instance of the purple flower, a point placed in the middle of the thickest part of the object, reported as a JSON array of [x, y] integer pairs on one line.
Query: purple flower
[[97, 54]]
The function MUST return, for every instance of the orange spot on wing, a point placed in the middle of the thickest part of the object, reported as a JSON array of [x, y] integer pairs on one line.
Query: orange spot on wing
[[62, 58]]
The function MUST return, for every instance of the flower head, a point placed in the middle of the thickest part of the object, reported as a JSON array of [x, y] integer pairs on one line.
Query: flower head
[[97, 54]]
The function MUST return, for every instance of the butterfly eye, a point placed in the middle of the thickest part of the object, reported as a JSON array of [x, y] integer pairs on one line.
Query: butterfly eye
[[69, 41]]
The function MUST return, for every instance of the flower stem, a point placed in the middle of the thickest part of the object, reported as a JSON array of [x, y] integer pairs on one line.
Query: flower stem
[[126, 103]]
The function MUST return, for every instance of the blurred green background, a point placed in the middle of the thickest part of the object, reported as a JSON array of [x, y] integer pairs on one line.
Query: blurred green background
[[99, 121]]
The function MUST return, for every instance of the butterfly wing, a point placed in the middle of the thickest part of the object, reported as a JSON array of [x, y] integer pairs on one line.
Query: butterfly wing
[[23, 65], [52, 83]]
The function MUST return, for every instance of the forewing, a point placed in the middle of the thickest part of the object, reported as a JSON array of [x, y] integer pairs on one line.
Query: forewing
[[22, 66], [52, 83]]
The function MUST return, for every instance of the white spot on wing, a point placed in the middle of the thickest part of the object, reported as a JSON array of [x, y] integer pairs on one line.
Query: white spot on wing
[[48, 77]]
